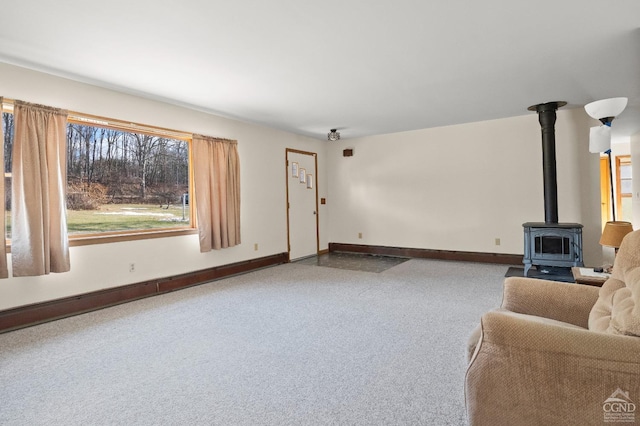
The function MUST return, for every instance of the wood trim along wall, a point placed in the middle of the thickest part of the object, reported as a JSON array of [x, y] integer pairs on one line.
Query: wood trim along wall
[[24, 316], [463, 256]]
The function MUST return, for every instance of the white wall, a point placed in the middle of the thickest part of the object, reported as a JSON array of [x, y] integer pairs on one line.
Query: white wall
[[449, 188], [263, 193], [461, 187]]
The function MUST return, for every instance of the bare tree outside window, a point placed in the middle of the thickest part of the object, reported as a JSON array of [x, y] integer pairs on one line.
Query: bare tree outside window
[[117, 180]]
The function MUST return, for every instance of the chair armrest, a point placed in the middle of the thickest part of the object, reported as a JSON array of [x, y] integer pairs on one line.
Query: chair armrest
[[526, 372], [564, 302]]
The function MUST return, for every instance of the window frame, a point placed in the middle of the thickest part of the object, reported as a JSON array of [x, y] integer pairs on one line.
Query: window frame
[[75, 240], [621, 160]]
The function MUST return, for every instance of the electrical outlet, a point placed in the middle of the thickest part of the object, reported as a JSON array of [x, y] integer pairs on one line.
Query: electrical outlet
[[132, 267], [360, 235], [497, 241], [255, 247]]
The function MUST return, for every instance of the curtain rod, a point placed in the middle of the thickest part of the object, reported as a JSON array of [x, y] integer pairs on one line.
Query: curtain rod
[[82, 117], [119, 124]]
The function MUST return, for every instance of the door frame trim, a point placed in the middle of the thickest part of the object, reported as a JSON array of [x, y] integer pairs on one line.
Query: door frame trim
[[315, 185]]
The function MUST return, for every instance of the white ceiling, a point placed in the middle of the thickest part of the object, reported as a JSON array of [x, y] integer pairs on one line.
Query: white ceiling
[[366, 67]]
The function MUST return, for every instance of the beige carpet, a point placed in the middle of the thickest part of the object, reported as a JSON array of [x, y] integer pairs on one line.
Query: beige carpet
[[289, 345]]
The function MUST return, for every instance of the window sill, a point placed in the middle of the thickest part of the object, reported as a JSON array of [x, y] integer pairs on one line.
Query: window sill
[[86, 240]]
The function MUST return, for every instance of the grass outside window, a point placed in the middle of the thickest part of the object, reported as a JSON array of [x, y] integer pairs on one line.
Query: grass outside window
[[123, 179]]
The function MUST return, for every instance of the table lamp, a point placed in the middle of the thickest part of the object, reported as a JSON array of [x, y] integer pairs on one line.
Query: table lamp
[[614, 232]]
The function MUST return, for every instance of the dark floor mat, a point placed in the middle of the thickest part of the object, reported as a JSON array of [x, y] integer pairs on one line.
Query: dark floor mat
[[354, 261]]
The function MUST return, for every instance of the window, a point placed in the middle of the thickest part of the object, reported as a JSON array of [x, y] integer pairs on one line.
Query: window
[[623, 188], [123, 179]]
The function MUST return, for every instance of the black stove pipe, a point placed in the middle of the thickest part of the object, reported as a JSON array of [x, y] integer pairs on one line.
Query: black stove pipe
[[547, 118]]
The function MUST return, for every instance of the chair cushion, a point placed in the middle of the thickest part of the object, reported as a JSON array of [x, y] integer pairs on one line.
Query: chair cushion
[[617, 310], [625, 313], [600, 315]]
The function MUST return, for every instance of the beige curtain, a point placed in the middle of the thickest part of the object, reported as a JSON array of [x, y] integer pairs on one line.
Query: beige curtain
[[4, 272], [216, 168], [39, 240]]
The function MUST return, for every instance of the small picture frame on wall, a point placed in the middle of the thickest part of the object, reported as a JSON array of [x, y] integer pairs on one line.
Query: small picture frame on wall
[[309, 181], [294, 169], [303, 175]]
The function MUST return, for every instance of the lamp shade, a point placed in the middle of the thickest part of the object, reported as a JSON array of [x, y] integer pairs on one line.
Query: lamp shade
[[599, 139], [614, 232], [606, 107]]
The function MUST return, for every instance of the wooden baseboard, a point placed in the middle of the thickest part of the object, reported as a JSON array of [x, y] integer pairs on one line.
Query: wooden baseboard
[[24, 316], [463, 256]]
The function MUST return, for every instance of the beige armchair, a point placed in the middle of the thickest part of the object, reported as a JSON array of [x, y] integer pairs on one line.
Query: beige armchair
[[560, 354]]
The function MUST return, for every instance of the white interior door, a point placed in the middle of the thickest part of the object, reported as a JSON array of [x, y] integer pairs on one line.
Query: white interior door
[[302, 204]]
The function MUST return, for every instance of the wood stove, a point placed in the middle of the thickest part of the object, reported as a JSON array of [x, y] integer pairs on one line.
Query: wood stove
[[550, 244]]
